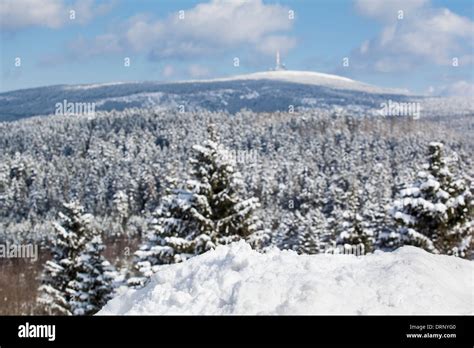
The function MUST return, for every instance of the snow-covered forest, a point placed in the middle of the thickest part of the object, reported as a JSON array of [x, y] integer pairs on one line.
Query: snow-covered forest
[[173, 185]]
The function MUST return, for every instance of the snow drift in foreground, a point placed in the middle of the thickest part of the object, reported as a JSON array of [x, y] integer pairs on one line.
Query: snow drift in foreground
[[237, 280]]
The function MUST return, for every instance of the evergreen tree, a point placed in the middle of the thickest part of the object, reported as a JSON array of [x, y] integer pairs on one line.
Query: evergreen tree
[[286, 234], [72, 234], [208, 212], [216, 187], [352, 233], [93, 285], [305, 234], [304, 226], [122, 209], [168, 240], [312, 237], [375, 199], [436, 213]]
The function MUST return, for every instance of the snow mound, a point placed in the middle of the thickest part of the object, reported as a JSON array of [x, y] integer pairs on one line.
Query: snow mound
[[310, 78], [237, 280]]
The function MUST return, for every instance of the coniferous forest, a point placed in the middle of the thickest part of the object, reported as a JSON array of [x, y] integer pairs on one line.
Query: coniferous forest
[[110, 198]]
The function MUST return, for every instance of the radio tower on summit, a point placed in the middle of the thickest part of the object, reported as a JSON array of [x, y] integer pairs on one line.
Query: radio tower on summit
[[279, 66]]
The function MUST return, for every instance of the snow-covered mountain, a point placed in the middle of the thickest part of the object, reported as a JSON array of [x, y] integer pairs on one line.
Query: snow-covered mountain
[[263, 91], [268, 91], [311, 78]]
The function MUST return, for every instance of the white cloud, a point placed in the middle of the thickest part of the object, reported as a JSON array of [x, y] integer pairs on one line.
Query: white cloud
[[140, 32], [223, 21], [15, 14], [86, 10], [198, 71], [83, 48], [387, 9], [215, 27], [18, 14], [425, 35]]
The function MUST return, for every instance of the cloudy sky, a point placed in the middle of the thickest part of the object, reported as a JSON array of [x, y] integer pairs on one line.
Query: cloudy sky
[[426, 46]]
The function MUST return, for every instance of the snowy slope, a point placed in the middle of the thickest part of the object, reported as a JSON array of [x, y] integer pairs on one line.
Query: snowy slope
[[237, 280], [311, 78], [261, 92], [94, 85], [268, 91]]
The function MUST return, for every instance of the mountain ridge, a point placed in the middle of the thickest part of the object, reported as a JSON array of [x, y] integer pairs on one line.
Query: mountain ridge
[[309, 78], [269, 91], [261, 92]]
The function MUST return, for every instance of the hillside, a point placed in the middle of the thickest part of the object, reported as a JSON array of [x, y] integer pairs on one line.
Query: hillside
[[311, 78], [260, 92]]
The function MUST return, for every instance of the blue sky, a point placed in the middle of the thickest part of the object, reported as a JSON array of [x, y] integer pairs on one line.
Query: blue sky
[[416, 49]]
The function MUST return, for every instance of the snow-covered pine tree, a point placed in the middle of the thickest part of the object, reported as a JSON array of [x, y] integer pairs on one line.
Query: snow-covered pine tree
[[302, 231], [352, 234], [286, 233], [375, 198], [310, 223], [167, 240], [93, 285], [312, 237], [122, 209], [223, 214], [209, 211], [73, 232], [436, 213]]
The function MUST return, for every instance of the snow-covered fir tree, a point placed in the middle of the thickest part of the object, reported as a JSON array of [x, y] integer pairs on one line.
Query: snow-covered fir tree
[[210, 210], [303, 226], [93, 285], [312, 236], [375, 198], [73, 232], [286, 234], [352, 233], [122, 209], [436, 212]]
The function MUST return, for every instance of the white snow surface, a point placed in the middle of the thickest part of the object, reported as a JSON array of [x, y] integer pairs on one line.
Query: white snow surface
[[92, 85], [310, 78], [237, 280]]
